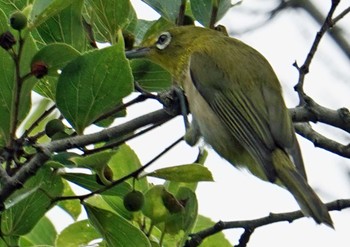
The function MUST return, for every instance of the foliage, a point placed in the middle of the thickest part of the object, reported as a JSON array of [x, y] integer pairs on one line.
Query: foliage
[[49, 54]]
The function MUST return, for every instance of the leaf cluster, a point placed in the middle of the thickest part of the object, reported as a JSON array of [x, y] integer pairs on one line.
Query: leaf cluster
[[63, 73]]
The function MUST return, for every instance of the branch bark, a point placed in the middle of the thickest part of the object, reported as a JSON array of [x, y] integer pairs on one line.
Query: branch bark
[[10, 184], [198, 237]]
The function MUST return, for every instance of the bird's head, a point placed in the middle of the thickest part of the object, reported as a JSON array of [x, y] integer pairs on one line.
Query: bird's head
[[173, 48]]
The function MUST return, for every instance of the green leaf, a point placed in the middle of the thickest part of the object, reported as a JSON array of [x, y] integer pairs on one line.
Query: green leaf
[[115, 229], [183, 221], [217, 239], [9, 241], [55, 57], [6, 81], [124, 162], [154, 207], [80, 233], [97, 162], [46, 87], [150, 76], [93, 84], [183, 173], [9, 7], [62, 160], [168, 9], [4, 22], [111, 16], [30, 208], [201, 10], [174, 186], [40, 107], [44, 9], [66, 26], [191, 207], [9, 85], [116, 203], [141, 29], [72, 207], [44, 233], [94, 161], [89, 182]]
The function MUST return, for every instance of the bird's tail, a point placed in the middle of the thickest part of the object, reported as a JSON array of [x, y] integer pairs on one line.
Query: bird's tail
[[309, 202]]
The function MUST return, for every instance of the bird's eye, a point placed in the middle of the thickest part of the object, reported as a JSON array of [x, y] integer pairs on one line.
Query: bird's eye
[[163, 40]]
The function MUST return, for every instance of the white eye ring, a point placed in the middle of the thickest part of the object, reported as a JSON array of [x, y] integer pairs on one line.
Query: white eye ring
[[163, 40]]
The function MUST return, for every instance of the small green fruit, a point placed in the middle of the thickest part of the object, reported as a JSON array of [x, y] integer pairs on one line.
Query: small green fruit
[[18, 20], [54, 126], [59, 136], [133, 201]]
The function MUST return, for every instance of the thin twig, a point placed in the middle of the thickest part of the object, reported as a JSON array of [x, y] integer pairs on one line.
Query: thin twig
[[214, 14], [121, 107], [181, 16], [36, 122], [17, 89], [123, 140], [133, 174], [304, 69], [340, 16]]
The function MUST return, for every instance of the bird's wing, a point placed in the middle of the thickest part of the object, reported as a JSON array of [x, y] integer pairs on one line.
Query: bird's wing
[[282, 129], [241, 111]]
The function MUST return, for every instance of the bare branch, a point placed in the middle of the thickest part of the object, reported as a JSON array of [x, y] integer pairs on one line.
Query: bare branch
[[336, 33], [304, 69], [341, 15], [108, 134], [314, 112], [321, 141], [196, 238]]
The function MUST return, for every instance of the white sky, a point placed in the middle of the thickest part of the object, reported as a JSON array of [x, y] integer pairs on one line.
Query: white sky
[[236, 195]]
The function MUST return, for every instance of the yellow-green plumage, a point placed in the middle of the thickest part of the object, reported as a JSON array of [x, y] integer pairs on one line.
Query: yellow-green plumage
[[236, 102]]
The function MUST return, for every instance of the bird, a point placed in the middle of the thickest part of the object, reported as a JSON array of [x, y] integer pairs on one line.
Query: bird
[[237, 106]]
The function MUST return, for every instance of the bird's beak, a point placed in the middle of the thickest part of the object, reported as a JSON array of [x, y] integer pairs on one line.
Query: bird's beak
[[137, 53]]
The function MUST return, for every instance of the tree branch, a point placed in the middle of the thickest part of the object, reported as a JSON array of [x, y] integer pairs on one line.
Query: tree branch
[[110, 133], [45, 150], [336, 33], [198, 237], [321, 141], [314, 112], [304, 69]]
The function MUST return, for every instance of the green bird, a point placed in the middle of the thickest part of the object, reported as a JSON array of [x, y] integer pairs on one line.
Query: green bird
[[237, 106]]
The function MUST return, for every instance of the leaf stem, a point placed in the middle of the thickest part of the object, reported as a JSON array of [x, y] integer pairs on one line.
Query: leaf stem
[[16, 90]]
